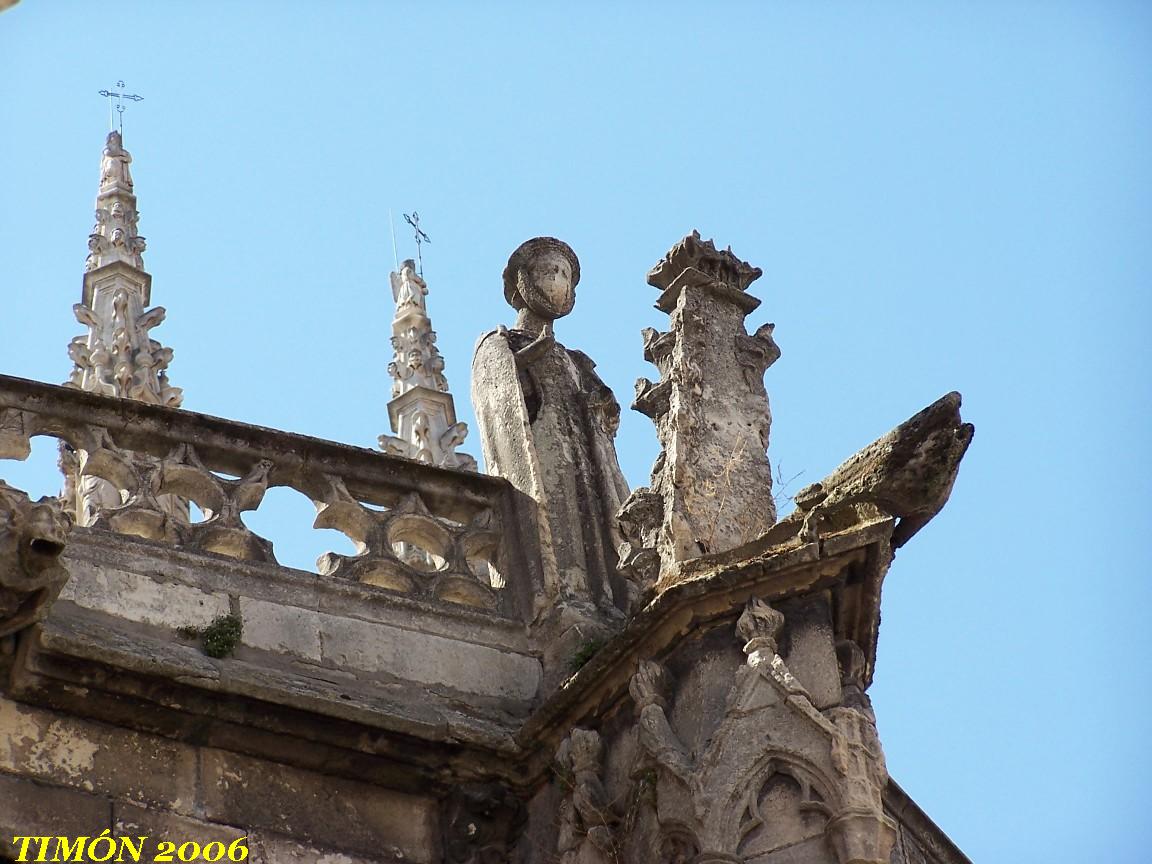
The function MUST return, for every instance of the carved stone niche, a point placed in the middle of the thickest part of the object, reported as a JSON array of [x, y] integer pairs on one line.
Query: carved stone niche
[[32, 537], [775, 774]]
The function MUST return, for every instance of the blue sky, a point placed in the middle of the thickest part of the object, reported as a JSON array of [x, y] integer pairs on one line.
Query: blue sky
[[942, 196]]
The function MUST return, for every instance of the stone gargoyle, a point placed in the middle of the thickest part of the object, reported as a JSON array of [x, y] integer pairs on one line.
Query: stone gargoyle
[[32, 537]]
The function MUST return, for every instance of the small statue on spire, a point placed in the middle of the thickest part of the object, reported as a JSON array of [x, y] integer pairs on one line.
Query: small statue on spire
[[408, 287], [114, 236], [115, 175], [422, 411]]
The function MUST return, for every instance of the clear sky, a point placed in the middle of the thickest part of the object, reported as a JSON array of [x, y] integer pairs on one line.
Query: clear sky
[[942, 196]]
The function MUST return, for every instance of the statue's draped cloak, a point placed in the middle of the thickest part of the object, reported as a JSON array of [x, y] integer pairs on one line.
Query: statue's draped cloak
[[547, 425]]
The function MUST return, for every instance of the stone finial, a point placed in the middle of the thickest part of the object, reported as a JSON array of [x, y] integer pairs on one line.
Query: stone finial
[[703, 258], [32, 537], [114, 236], [758, 626], [422, 412], [710, 408]]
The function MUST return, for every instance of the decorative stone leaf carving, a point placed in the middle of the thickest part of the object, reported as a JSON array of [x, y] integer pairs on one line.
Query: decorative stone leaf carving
[[119, 490], [224, 532]]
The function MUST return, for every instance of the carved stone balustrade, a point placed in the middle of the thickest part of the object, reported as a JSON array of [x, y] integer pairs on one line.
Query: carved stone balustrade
[[438, 534]]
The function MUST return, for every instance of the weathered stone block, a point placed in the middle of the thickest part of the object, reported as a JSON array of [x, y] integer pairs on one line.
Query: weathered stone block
[[283, 629], [268, 849], [139, 598], [428, 659], [317, 809], [130, 765], [30, 808], [131, 821]]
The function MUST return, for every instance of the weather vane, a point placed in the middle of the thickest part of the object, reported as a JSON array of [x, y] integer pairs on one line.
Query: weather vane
[[119, 106], [421, 237]]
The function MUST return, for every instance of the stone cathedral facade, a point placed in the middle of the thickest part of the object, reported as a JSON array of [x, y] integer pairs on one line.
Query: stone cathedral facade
[[533, 663]]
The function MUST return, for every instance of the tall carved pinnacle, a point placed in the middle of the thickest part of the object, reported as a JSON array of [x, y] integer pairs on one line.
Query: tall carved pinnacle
[[117, 357], [422, 412], [712, 484], [114, 236]]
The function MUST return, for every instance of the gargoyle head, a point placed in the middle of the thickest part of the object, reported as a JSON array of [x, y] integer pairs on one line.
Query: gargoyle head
[[32, 538]]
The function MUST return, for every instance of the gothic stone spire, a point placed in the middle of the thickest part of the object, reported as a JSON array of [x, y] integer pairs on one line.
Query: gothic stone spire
[[116, 357], [422, 411]]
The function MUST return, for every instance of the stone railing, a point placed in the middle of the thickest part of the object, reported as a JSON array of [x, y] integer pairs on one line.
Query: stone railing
[[436, 534]]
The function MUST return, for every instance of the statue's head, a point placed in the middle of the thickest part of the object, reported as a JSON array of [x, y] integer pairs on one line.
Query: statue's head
[[541, 276]]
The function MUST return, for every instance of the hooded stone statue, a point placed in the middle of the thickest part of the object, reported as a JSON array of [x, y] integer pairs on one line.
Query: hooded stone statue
[[547, 423]]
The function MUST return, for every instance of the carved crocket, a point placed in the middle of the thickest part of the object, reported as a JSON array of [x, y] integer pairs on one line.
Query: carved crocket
[[32, 536]]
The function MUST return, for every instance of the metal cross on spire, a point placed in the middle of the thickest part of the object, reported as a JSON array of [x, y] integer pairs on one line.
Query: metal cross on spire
[[119, 105], [421, 237]]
